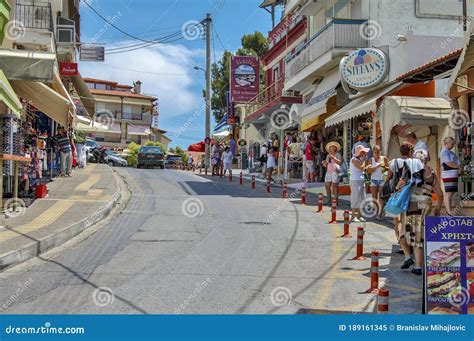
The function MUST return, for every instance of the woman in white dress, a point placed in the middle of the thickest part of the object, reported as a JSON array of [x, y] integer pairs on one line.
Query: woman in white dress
[[227, 160]]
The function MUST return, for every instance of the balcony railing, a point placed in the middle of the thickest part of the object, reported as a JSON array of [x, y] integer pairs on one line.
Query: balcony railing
[[338, 34], [269, 94], [36, 16], [131, 116]]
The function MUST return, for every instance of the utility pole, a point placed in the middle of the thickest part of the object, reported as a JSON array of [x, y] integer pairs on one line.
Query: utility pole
[[464, 15], [208, 89]]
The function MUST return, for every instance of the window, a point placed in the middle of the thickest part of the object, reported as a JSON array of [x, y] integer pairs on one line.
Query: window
[[100, 86]]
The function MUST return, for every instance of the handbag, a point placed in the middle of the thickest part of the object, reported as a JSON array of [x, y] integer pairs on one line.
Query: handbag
[[399, 201]]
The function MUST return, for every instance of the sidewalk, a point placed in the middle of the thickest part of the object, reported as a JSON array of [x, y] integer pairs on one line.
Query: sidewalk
[[72, 205]]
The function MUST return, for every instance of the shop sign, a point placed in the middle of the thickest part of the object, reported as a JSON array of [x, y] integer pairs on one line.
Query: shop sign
[[244, 78], [154, 121], [230, 110], [68, 69], [449, 265], [364, 68], [92, 53]]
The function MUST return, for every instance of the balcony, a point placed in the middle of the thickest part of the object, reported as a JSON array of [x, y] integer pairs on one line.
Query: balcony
[[271, 97], [133, 116], [35, 22], [324, 49]]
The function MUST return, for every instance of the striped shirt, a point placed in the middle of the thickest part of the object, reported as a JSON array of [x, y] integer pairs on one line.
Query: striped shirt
[[64, 144]]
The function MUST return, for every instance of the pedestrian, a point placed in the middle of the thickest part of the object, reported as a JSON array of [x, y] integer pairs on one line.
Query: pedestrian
[[263, 159], [332, 164], [232, 146], [294, 151], [310, 157], [190, 162], [65, 149], [271, 164], [401, 171], [377, 168], [215, 157], [227, 158], [421, 205], [450, 172], [362, 141], [417, 144], [357, 181]]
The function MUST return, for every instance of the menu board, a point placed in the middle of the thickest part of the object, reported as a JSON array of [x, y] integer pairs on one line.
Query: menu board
[[449, 265]]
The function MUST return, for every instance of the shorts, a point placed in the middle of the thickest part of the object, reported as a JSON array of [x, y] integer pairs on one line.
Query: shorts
[[228, 165], [331, 177], [376, 183], [310, 166]]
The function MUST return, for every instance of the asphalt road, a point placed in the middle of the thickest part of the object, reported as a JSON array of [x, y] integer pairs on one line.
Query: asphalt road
[[185, 244]]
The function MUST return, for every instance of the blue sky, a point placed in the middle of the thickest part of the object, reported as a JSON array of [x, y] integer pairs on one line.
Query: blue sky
[[169, 67]]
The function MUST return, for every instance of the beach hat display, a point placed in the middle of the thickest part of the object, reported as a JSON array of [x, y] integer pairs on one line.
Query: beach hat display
[[331, 144]]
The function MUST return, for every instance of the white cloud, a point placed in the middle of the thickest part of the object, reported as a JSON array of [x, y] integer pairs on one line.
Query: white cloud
[[178, 94]]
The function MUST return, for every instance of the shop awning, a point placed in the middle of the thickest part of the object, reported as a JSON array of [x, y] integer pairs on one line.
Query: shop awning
[[417, 111], [361, 105], [8, 95], [138, 129], [465, 61], [84, 94], [58, 86], [86, 124], [223, 133], [317, 104], [45, 99], [27, 65]]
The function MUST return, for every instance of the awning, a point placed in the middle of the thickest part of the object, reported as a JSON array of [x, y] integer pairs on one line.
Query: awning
[[221, 124], [58, 86], [8, 95], [465, 62], [138, 129], [419, 111], [317, 104], [223, 133], [267, 3], [44, 99], [85, 124], [84, 94], [307, 125], [27, 65], [360, 105]]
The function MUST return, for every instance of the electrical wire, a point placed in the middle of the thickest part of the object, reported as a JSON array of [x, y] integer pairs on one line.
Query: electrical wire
[[147, 72]]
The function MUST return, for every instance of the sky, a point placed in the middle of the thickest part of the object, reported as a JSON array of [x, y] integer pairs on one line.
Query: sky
[[167, 70]]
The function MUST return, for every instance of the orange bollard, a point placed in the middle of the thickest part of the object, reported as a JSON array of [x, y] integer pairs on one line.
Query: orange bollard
[[303, 195], [346, 225], [374, 273], [241, 180], [382, 301], [360, 244], [200, 168], [320, 202], [268, 185], [285, 191], [333, 211], [253, 181]]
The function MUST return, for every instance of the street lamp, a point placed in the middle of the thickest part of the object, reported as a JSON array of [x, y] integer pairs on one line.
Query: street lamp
[[197, 68]]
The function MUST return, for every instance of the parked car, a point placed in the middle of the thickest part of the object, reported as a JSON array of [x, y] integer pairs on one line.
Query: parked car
[[151, 156], [90, 146], [172, 160], [113, 159]]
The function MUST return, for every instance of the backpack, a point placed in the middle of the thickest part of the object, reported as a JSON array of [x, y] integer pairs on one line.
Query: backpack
[[390, 186]]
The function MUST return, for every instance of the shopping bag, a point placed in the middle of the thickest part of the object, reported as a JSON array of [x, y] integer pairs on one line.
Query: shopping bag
[[399, 201]]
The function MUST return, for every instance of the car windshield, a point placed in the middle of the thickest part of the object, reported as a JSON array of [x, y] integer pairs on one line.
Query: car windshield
[[153, 150], [92, 144]]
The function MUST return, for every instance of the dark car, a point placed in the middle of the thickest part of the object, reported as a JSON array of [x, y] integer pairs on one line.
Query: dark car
[[172, 161], [150, 156]]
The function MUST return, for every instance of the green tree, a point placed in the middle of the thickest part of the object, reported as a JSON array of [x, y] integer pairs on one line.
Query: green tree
[[253, 44]]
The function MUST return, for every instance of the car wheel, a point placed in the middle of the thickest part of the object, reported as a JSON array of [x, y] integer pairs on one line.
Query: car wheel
[[111, 163]]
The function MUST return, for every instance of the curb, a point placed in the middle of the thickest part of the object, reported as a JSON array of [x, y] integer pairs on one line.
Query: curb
[[60, 237]]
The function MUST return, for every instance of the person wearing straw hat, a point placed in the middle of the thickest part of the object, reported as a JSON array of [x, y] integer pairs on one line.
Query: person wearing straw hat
[[333, 169], [357, 180]]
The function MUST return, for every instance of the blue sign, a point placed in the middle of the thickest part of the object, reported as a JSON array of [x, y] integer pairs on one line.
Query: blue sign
[[449, 265]]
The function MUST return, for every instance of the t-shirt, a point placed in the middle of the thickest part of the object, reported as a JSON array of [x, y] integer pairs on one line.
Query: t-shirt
[[263, 150], [331, 163], [271, 161], [227, 157], [64, 143], [414, 165], [295, 149], [309, 155], [420, 145], [448, 156]]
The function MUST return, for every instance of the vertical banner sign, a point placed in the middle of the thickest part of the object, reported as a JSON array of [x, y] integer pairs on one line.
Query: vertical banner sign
[[230, 110], [449, 265], [244, 78]]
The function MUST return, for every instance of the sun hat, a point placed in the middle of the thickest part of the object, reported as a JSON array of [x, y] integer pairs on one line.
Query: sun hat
[[333, 144], [359, 149]]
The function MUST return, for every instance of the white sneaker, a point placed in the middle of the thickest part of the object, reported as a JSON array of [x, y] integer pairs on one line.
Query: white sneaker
[[362, 219], [356, 220]]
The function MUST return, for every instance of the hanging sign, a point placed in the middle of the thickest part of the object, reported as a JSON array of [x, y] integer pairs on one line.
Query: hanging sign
[[244, 78], [449, 265], [230, 110], [364, 68], [68, 69]]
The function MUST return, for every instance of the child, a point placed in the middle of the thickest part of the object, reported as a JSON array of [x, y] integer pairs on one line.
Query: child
[[271, 163]]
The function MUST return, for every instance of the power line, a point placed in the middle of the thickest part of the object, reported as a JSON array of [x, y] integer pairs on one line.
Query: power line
[[147, 72]]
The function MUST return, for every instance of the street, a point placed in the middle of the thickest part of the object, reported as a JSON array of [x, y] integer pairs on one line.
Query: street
[[188, 244]]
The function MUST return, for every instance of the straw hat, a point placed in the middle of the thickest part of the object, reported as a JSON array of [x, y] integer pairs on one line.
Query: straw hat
[[331, 144], [359, 149]]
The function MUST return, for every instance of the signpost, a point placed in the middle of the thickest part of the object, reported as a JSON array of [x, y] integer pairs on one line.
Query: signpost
[[449, 265], [244, 78], [92, 53]]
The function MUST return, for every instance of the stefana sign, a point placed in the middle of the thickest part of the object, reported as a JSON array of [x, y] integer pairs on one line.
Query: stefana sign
[[364, 68]]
